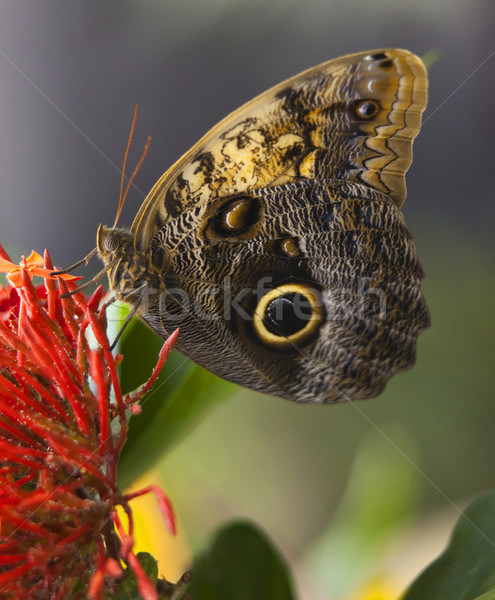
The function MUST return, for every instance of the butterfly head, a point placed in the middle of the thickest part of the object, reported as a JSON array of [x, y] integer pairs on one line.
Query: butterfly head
[[110, 242], [127, 268]]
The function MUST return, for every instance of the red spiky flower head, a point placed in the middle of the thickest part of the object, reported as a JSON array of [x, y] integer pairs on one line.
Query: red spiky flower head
[[62, 427]]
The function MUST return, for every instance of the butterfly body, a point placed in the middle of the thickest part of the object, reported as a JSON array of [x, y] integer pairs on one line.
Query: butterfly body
[[277, 244]]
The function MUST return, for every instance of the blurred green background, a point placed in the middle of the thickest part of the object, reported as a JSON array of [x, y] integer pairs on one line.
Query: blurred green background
[[71, 74]]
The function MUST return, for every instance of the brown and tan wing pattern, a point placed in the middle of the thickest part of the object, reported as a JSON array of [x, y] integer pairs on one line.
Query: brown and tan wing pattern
[[277, 243], [345, 242], [353, 118]]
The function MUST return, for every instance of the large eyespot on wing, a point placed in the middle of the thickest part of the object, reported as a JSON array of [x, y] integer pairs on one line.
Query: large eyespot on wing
[[352, 118], [309, 291], [287, 316]]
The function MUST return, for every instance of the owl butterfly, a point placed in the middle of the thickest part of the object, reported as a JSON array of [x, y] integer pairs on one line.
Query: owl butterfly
[[277, 243]]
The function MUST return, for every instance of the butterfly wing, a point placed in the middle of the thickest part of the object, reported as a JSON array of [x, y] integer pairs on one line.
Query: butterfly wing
[[288, 263], [351, 118]]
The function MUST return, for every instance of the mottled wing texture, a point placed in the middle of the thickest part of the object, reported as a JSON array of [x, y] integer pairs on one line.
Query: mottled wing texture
[[305, 128], [317, 165]]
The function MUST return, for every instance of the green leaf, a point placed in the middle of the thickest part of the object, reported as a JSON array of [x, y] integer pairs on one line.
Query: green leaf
[[181, 396], [466, 569], [380, 497], [241, 564], [128, 588], [489, 595]]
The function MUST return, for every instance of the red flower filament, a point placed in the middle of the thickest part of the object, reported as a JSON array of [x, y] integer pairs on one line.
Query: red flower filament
[[63, 424]]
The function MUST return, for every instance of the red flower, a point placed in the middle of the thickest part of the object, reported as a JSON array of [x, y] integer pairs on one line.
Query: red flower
[[62, 427]]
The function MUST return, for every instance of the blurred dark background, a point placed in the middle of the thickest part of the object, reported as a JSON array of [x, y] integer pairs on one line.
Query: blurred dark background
[[71, 74]]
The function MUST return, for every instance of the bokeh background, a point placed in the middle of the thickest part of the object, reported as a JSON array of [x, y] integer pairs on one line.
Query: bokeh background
[[358, 497]]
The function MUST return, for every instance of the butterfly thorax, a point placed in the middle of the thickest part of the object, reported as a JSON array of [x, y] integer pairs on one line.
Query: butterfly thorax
[[131, 272]]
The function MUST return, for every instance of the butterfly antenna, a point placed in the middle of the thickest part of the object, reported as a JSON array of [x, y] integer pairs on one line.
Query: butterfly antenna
[[121, 197], [135, 172]]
